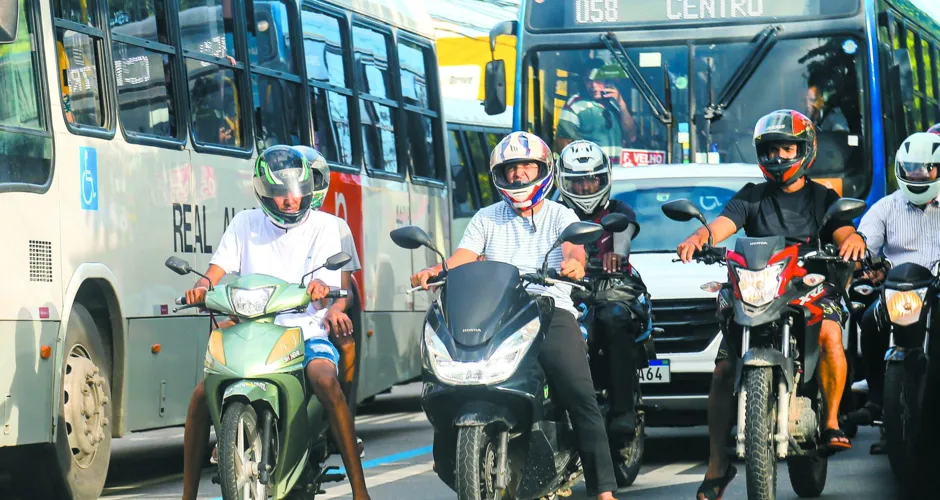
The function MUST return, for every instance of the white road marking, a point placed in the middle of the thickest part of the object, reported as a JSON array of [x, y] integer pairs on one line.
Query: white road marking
[[373, 481], [389, 419], [371, 418], [667, 475]]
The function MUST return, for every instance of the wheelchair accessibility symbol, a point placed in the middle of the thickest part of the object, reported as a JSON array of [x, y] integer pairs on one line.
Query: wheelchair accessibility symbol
[[709, 203], [88, 177]]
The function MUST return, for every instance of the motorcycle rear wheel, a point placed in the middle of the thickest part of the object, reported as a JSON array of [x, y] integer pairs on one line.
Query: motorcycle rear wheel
[[627, 461], [760, 461], [240, 453]]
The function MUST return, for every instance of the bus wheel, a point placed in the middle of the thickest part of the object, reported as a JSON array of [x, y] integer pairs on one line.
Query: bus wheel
[[82, 450]]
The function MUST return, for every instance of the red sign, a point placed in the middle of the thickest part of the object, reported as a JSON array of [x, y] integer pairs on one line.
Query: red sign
[[345, 201], [638, 157]]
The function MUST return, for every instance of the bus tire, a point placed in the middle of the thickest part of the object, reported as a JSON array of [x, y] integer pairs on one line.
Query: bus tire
[[76, 464]]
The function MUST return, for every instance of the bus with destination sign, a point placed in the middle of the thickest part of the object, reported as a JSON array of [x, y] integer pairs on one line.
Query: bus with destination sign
[[684, 81], [657, 82]]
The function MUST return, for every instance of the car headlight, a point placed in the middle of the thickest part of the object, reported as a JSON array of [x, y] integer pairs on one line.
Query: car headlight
[[904, 307], [500, 365], [250, 302], [759, 288]]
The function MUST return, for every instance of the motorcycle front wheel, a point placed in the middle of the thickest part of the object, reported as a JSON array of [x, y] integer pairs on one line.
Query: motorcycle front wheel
[[627, 460], [240, 453], [899, 408], [477, 451], [760, 461]]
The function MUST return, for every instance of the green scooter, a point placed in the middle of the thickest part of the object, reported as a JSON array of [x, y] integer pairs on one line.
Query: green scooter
[[271, 429]]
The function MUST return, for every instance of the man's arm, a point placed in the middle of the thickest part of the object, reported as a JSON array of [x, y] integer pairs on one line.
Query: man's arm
[[874, 227], [722, 228], [570, 251]]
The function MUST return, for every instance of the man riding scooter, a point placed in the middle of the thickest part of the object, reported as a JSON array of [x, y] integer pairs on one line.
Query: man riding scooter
[[584, 183]]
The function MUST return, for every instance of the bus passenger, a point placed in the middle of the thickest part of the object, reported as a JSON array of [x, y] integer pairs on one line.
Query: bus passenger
[[285, 239]]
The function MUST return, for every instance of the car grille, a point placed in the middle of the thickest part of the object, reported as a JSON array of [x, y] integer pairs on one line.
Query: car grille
[[689, 326]]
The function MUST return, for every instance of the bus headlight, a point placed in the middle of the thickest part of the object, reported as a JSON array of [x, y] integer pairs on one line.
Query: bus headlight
[[904, 307], [499, 367]]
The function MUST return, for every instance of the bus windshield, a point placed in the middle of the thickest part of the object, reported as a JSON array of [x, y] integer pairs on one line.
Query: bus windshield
[[586, 95]]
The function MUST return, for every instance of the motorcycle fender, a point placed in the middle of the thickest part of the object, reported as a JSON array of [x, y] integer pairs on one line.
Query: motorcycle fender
[[253, 391], [481, 413], [764, 357]]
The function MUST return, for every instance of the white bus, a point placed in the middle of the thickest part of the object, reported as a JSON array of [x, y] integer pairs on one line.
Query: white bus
[[127, 133]]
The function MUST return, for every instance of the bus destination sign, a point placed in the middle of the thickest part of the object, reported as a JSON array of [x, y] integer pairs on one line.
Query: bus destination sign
[[575, 14]]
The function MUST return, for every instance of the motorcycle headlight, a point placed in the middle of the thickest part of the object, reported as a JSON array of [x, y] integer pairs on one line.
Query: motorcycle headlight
[[904, 307], [250, 302], [759, 288], [500, 365]]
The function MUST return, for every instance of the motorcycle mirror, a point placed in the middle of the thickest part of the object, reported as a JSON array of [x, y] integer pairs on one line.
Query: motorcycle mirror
[[336, 262], [413, 237], [580, 233], [683, 210], [615, 222], [844, 209], [410, 237], [179, 266]]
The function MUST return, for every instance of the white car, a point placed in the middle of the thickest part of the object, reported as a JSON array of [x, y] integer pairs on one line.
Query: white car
[[677, 383]]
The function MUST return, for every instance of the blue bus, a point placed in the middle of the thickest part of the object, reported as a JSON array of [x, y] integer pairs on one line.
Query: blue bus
[[684, 81]]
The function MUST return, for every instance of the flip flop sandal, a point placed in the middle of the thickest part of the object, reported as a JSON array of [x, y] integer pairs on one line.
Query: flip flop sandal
[[832, 439], [721, 483]]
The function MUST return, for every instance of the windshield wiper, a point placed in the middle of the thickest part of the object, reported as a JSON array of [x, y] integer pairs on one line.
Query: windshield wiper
[[766, 39], [663, 112]]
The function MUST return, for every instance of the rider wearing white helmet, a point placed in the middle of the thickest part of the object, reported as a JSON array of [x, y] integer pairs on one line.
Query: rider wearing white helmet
[[521, 232], [584, 178]]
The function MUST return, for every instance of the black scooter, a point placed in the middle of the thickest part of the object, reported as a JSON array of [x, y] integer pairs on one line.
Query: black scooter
[[497, 431]]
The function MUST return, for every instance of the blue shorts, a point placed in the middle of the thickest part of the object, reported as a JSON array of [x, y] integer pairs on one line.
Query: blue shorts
[[321, 348]]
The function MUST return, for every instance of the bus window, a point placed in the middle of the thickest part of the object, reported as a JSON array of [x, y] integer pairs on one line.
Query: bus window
[[480, 157], [79, 51], [278, 117], [143, 74], [376, 103], [329, 90], [214, 74], [461, 174], [25, 158], [420, 119]]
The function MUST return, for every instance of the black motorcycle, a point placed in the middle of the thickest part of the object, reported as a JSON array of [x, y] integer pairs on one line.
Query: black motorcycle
[[909, 303], [603, 288], [497, 431]]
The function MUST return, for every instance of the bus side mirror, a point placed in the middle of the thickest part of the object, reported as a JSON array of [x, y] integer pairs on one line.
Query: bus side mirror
[[9, 17], [495, 101]]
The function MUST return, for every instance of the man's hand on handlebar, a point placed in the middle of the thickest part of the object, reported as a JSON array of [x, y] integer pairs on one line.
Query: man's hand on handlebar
[[687, 248], [612, 262], [196, 295], [421, 278], [572, 269], [853, 248], [317, 290]]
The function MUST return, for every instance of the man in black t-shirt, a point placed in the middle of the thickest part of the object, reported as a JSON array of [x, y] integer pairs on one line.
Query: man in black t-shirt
[[786, 205], [584, 176]]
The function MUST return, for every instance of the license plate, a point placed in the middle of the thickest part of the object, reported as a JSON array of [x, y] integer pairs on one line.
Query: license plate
[[656, 373]]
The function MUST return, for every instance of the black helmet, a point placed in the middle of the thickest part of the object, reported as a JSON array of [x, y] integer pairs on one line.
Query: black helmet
[[282, 172], [785, 126]]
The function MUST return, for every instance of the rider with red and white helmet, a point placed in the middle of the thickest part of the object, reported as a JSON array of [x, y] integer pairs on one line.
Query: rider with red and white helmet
[[521, 232]]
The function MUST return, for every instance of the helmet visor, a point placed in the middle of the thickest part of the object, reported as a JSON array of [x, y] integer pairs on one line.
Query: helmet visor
[[917, 172], [780, 155], [584, 184]]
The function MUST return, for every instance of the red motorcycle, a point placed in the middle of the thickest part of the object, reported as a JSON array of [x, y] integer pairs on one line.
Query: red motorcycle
[[771, 301]]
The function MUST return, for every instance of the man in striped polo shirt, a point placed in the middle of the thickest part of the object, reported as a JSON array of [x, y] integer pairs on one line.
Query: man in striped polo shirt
[[520, 232], [905, 227]]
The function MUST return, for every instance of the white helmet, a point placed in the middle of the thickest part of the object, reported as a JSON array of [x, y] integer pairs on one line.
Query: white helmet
[[584, 173], [917, 167], [522, 147]]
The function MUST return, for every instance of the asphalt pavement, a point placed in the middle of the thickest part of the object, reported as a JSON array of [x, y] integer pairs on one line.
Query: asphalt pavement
[[398, 462]]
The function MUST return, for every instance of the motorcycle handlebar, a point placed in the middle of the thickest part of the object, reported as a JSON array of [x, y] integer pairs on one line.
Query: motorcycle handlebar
[[598, 272], [433, 281], [181, 301]]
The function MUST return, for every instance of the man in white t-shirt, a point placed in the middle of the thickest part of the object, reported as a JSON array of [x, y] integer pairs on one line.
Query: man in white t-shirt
[[286, 239], [520, 232]]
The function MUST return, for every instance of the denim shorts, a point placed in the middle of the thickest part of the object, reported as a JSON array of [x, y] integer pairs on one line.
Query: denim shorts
[[321, 348]]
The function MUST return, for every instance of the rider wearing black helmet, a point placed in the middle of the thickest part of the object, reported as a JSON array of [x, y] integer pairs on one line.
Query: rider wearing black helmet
[[789, 205], [584, 180]]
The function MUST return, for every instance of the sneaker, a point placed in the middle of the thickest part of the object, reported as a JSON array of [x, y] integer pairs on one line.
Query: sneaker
[[214, 459], [361, 446], [860, 386]]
